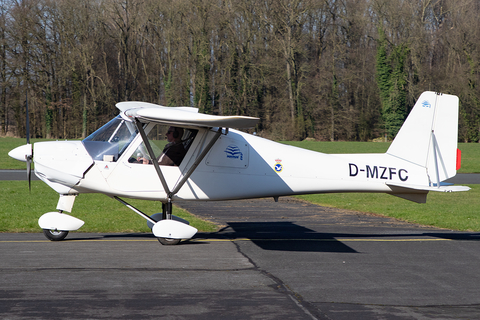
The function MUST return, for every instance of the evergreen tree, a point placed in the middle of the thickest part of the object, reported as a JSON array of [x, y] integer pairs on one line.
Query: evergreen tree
[[391, 80]]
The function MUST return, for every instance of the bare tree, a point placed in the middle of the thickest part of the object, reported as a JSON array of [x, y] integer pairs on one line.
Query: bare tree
[[306, 68]]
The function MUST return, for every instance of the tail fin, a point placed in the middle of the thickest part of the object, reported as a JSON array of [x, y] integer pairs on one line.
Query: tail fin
[[429, 136]]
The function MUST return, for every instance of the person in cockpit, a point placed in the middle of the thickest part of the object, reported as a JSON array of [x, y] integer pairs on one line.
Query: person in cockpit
[[174, 151]]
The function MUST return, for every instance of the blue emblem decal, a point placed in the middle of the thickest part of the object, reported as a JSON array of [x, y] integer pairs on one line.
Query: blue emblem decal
[[278, 167], [233, 152], [426, 104]]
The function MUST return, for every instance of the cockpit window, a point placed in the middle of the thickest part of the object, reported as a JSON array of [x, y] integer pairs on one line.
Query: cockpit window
[[169, 144], [110, 141]]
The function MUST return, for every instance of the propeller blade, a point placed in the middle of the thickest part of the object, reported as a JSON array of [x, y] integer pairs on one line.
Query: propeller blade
[[27, 120], [29, 157], [29, 172]]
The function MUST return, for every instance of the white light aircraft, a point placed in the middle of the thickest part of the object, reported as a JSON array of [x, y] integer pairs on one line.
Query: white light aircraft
[[122, 159]]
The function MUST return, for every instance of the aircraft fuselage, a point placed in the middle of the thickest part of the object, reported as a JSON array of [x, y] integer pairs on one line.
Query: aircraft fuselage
[[238, 166]]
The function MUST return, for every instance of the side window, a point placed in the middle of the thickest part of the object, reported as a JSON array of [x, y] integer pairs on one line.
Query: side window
[[170, 145]]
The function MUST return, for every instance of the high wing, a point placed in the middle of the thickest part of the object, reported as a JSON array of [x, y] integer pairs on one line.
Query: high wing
[[182, 116]]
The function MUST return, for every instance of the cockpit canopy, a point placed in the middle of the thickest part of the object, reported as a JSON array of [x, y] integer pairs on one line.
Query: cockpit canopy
[[110, 141]]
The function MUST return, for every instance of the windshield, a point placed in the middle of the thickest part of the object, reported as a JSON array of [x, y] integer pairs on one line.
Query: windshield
[[110, 141]]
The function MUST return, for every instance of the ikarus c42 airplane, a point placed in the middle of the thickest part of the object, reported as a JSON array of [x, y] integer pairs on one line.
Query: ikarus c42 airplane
[[205, 159]]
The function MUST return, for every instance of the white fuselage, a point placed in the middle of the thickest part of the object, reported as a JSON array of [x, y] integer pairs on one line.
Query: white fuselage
[[238, 166]]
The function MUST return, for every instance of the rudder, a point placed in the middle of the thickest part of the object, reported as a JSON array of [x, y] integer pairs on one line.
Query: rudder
[[429, 135]]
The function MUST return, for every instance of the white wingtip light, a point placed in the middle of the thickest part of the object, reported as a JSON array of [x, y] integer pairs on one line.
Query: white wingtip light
[[21, 153]]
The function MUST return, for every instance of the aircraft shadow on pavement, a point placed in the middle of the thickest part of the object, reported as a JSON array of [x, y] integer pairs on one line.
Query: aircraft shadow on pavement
[[282, 236], [465, 236], [288, 236], [102, 236]]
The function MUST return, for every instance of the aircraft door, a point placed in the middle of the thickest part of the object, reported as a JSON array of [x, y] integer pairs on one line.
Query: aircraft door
[[136, 173]]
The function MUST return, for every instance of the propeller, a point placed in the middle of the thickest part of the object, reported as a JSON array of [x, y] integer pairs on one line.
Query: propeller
[[28, 156], [29, 171], [25, 152]]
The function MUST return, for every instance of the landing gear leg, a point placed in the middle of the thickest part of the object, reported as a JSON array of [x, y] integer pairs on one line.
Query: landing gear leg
[[170, 229], [167, 214]]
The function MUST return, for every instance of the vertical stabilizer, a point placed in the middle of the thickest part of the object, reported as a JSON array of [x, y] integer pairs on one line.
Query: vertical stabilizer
[[428, 137]]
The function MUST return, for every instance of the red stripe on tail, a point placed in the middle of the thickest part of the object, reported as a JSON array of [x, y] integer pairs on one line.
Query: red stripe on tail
[[459, 158]]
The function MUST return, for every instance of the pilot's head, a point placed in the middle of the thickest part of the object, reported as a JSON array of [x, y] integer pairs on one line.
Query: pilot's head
[[174, 134]]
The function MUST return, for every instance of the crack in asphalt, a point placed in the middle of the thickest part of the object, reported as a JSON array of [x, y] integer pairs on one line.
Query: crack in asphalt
[[282, 287]]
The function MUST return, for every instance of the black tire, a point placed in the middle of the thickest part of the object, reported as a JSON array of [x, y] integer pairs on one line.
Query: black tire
[[169, 241], [55, 235]]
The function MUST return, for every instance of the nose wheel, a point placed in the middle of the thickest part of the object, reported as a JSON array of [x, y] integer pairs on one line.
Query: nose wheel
[[55, 235], [168, 241]]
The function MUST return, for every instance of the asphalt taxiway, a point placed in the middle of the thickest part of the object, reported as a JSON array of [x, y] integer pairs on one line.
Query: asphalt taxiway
[[284, 260]]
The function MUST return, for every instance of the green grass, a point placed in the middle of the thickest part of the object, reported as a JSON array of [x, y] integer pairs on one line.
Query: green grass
[[470, 157], [341, 146], [456, 210], [20, 210]]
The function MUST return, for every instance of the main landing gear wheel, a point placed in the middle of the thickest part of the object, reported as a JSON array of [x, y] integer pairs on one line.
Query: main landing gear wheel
[[55, 235], [168, 241]]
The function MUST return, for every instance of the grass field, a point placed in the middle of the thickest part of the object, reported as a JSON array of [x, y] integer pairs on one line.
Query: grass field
[[19, 210], [455, 211]]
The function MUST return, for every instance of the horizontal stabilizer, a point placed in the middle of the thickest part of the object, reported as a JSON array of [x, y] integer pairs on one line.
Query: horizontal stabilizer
[[415, 188], [417, 193]]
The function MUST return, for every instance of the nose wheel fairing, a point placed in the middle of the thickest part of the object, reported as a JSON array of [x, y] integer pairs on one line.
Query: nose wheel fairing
[[59, 221], [56, 225]]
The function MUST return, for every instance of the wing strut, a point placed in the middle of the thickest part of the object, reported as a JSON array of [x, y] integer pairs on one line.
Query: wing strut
[[152, 156], [147, 217]]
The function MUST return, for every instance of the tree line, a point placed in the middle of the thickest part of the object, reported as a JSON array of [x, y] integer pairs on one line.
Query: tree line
[[323, 69]]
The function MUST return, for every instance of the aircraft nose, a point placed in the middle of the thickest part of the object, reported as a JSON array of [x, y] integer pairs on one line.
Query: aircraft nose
[[21, 153], [63, 162]]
